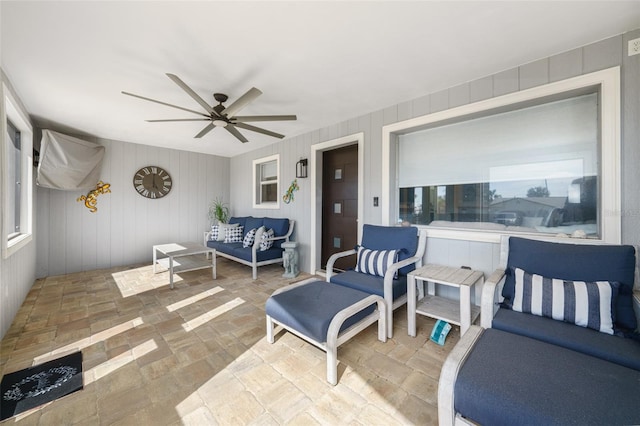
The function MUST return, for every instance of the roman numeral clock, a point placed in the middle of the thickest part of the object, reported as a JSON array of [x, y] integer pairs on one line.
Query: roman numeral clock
[[152, 182]]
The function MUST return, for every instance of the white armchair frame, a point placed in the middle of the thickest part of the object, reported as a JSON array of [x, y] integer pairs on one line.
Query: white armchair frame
[[388, 277]]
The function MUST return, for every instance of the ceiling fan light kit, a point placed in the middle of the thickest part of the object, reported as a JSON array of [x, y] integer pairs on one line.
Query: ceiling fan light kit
[[219, 115]]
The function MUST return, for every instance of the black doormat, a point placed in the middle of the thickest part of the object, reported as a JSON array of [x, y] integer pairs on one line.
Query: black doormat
[[34, 386]]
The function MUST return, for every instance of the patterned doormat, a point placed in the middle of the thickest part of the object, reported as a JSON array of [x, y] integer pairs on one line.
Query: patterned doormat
[[26, 389]]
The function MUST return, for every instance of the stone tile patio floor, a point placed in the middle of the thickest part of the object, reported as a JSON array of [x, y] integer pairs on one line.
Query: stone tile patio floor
[[198, 355]]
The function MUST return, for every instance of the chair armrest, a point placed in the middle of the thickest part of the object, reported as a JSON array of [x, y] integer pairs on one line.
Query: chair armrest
[[206, 238], [334, 257], [449, 374], [391, 271], [636, 306], [491, 294]]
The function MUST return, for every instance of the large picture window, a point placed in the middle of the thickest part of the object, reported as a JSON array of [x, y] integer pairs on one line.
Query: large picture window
[[266, 172], [531, 169], [543, 160]]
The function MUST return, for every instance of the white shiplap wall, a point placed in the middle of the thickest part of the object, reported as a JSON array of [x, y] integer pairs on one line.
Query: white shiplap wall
[[126, 225], [483, 256]]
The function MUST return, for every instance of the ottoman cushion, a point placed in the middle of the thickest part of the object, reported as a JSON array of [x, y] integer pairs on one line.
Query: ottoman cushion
[[309, 308]]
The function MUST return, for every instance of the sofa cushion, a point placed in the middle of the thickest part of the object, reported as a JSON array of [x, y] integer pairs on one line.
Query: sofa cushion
[[227, 248], [619, 350], [509, 379], [590, 305], [404, 239], [577, 262], [310, 308], [252, 223], [240, 220], [375, 262], [245, 253], [371, 284]]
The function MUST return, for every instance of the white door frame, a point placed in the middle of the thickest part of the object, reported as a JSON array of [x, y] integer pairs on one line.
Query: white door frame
[[316, 189]]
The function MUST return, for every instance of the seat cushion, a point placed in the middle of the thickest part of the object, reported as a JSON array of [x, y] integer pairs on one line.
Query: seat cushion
[[309, 308], [576, 262], [245, 253], [616, 349], [404, 238], [223, 247], [509, 379], [371, 284]]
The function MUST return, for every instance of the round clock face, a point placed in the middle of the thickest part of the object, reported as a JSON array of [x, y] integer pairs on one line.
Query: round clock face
[[152, 182]]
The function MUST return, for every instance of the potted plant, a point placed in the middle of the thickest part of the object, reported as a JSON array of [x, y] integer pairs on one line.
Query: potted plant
[[218, 211]]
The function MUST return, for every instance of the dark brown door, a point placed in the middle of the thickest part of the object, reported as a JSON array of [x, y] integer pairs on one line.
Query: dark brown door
[[340, 204]]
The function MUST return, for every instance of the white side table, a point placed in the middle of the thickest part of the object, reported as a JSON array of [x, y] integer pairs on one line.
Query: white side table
[[183, 257], [460, 313]]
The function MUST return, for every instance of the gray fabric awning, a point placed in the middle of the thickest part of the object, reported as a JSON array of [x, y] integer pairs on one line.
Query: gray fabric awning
[[68, 163]]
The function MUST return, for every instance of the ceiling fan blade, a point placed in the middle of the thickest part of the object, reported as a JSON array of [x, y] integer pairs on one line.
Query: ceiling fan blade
[[241, 102], [258, 130], [190, 92], [178, 119], [166, 104], [236, 133], [206, 130], [249, 118]]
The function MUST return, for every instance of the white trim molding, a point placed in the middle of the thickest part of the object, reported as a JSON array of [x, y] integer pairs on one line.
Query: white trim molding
[[10, 109], [608, 83], [316, 189], [258, 204]]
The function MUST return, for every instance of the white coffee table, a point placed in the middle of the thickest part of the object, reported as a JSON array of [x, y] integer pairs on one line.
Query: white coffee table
[[183, 257]]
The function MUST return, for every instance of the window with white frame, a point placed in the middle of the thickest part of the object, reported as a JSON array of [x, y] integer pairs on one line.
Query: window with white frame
[[17, 178], [266, 178], [545, 160]]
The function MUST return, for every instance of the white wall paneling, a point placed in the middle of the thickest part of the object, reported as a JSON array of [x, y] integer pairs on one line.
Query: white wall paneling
[[126, 225]]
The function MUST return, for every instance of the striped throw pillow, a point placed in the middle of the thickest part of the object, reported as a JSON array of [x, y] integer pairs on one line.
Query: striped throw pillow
[[375, 262], [586, 304]]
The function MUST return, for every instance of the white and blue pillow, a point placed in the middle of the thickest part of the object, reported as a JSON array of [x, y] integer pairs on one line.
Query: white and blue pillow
[[234, 235], [265, 242], [213, 235], [586, 304], [250, 238], [223, 228], [375, 262]]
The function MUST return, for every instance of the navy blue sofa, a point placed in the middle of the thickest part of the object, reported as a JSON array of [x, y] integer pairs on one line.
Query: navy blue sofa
[[252, 255], [521, 368]]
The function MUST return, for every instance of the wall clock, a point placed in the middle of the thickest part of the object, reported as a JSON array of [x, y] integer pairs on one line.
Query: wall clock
[[152, 182]]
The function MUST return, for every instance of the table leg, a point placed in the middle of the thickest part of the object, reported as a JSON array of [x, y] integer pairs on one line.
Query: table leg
[[154, 259], [465, 308], [411, 305], [214, 268], [171, 272]]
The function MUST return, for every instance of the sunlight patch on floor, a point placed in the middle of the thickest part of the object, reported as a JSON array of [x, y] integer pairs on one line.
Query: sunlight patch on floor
[[214, 313], [114, 363], [193, 299], [88, 341]]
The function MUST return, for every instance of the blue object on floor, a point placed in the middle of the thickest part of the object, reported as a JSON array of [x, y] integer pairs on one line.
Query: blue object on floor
[[440, 331]]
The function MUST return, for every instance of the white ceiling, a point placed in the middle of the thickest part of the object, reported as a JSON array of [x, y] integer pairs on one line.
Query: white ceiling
[[327, 62]]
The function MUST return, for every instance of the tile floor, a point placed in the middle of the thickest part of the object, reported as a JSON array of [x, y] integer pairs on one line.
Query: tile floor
[[197, 355]]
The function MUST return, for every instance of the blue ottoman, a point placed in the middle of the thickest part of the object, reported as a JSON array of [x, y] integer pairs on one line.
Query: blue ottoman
[[325, 315]]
